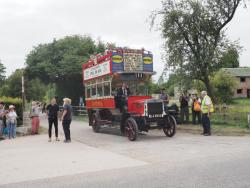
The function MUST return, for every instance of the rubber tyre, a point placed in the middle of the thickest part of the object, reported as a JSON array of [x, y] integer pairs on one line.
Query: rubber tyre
[[170, 126], [95, 118], [131, 129]]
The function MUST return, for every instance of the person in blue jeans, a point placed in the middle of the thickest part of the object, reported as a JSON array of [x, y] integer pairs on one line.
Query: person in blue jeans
[[11, 122], [1, 119]]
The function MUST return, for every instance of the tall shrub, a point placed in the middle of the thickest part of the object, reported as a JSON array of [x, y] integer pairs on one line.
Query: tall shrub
[[224, 85], [17, 102]]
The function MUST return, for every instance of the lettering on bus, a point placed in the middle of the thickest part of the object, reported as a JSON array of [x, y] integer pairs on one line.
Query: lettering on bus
[[97, 103], [96, 71], [133, 61]]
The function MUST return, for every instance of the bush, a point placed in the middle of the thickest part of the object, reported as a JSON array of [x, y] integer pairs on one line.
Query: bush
[[224, 85], [17, 102]]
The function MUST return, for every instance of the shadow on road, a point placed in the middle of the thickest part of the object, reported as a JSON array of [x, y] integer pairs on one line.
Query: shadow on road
[[151, 135]]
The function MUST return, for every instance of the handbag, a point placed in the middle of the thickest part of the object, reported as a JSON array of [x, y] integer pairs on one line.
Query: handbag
[[197, 106]]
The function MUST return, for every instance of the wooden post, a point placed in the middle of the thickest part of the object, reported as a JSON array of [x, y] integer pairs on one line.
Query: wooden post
[[23, 97]]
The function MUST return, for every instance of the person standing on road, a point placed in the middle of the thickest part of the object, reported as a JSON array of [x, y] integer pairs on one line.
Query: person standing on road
[[52, 111], [34, 115], [80, 101], [66, 118], [196, 110], [1, 119], [11, 122], [206, 108], [184, 112]]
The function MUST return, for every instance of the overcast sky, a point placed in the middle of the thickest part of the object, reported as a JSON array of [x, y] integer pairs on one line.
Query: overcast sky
[[27, 23]]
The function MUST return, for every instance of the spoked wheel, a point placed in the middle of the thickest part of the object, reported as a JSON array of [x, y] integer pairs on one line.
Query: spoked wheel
[[170, 126], [131, 129], [94, 123]]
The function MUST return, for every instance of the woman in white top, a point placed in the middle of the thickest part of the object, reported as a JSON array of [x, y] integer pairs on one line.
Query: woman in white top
[[11, 122]]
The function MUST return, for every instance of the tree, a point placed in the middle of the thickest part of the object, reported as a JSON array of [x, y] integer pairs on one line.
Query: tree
[[50, 93], [224, 85], [101, 47], [60, 62], [2, 72], [12, 86], [230, 58], [198, 85], [35, 89], [174, 80], [194, 35], [150, 87]]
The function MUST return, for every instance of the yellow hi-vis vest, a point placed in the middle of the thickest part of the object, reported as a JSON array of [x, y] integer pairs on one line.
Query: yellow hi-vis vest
[[204, 107]]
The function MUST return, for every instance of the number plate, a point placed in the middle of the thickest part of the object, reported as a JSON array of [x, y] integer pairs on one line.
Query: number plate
[[155, 116]]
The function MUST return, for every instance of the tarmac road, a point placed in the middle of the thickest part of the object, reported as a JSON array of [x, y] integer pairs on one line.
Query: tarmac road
[[152, 161]]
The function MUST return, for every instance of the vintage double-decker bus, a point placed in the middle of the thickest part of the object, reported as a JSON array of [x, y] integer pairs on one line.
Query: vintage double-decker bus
[[104, 75]]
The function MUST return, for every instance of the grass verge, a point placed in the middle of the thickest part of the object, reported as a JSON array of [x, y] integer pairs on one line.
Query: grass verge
[[42, 130], [218, 130]]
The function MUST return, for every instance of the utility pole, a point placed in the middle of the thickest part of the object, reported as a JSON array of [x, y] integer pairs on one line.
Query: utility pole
[[23, 94]]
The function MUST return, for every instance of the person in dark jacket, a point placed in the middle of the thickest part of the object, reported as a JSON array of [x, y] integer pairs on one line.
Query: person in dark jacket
[[184, 109], [67, 118], [122, 96], [52, 112]]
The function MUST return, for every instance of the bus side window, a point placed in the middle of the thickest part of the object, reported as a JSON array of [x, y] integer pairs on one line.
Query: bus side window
[[93, 89], [107, 89], [88, 92], [99, 90]]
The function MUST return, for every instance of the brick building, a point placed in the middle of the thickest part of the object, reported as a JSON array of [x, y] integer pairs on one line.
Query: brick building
[[243, 76]]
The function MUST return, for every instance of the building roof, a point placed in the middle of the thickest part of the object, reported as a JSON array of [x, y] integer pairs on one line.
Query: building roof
[[239, 72]]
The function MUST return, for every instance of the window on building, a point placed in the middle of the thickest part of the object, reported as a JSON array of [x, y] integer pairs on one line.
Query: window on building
[[239, 91], [242, 79]]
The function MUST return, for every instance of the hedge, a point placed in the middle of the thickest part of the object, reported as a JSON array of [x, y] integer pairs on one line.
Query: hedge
[[17, 102]]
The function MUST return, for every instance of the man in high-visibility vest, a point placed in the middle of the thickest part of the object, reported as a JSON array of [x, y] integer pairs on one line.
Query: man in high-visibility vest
[[206, 109]]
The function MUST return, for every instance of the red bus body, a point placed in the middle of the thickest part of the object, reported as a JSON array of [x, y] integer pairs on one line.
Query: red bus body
[[104, 78]]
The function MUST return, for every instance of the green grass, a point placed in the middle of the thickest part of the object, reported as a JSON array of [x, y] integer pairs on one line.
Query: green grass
[[219, 130], [230, 119], [42, 130], [240, 101], [234, 116]]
